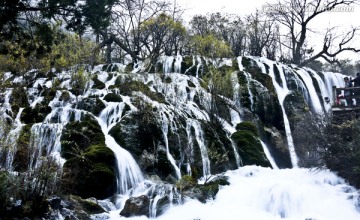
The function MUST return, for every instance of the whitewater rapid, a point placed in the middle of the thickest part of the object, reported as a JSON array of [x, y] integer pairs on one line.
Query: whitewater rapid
[[257, 193]]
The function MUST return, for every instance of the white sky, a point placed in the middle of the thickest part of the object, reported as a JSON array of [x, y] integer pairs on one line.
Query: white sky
[[342, 20]]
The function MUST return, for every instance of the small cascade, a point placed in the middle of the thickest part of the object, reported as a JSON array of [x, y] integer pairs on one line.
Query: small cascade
[[251, 96], [198, 59], [235, 115], [282, 92], [238, 159], [129, 173], [315, 101], [268, 155], [191, 123], [165, 128], [330, 80], [177, 64], [168, 64], [9, 148]]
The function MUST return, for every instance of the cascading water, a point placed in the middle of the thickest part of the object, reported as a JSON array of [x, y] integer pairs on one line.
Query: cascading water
[[128, 170], [282, 92], [254, 193], [165, 129], [200, 141]]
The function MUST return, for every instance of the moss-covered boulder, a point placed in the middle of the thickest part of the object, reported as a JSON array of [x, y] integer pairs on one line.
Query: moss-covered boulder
[[21, 158], [113, 97], [249, 146], [91, 174], [79, 135], [140, 133], [93, 105], [35, 115], [189, 188], [220, 151], [97, 83]]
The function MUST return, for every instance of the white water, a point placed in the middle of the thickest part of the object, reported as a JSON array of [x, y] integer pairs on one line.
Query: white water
[[268, 155], [257, 193], [282, 92], [165, 129], [190, 123], [129, 173]]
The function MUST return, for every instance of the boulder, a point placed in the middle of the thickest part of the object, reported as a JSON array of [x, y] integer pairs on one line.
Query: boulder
[[136, 206]]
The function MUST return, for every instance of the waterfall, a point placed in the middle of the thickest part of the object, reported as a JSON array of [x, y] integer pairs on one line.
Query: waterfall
[[129, 174], [190, 123], [315, 102], [9, 140], [268, 155], [165, 129], [282, 92], [168, 63], [248, 79], [177, 64]]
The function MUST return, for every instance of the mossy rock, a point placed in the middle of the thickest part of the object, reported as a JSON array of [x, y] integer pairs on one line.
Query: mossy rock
[[113, 97], [186, 182], [93, 105], [91, 174], [100, 154], [35, 115], [247, 126], [88, 205], [250, 148], [79, 135], [129, 86], [21, 158], [18, 99], [202, 192], [250, 65], [97, 83]]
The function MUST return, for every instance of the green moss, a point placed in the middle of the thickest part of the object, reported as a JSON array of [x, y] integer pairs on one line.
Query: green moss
[[247, 126], [91, 207], [129, 86], [188, 66], [112, 97], [100, 154], [168, 79], [78, 136], [21, 158], [186, 182], [35, 115], [250, 65], [97, 83], [250, 148]]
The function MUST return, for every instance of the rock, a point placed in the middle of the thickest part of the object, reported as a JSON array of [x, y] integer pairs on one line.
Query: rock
[[250, 148], [136, 206], [112, 97], [93, 105]]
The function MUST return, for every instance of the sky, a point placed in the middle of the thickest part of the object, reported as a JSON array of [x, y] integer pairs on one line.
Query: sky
[[342, 20]]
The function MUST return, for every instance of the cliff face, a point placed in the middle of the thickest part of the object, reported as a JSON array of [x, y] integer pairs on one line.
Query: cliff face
[[193, 116]]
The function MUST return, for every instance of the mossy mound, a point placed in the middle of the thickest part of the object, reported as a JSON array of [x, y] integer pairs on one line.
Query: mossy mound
[[35, 115], [91, 174], [189, 188], [128, 86], [97, 83], [93, 105], [247, 126], [249, 146], [79, 135], [112, 97]]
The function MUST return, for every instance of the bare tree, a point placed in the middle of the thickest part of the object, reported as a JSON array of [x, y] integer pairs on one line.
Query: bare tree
[[296, 15], [261, 34]]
